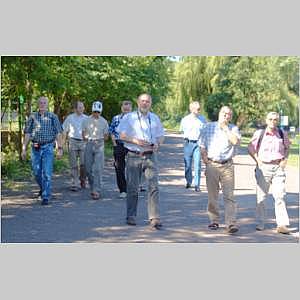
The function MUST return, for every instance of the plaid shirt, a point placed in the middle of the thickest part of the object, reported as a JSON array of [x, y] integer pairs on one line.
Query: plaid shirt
[[43, 129], [114, 124], [216, 143]]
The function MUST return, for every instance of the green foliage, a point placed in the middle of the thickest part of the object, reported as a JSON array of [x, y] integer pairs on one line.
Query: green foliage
[[252, 86]]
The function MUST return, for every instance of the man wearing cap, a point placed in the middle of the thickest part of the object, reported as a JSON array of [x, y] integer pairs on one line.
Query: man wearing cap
[[269, 148], [73, 131], [95, 131], [42, 129], [218, 143], [119, 151], [191, 126], [142, 133]]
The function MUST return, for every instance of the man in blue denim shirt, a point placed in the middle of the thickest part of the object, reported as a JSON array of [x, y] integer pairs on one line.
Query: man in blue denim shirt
[[119, 150], [42, 129]]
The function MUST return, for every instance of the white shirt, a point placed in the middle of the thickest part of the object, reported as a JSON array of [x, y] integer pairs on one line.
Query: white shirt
[[191, 127], [137, 125], [73, 125]]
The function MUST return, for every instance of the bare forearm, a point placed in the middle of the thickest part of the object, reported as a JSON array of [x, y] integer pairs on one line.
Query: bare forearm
[[26, 141]]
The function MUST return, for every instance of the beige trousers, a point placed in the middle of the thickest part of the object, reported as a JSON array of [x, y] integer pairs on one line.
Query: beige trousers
[[224, 174]]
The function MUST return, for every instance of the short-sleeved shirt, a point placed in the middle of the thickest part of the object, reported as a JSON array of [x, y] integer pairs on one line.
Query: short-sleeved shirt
[[191, 126], [114, 124], [272, 147], [214, 139], [73, 125], [137, 125], [43, 128], [95, 129]]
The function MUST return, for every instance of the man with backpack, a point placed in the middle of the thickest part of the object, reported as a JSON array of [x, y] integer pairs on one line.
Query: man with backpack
[[269, 148]]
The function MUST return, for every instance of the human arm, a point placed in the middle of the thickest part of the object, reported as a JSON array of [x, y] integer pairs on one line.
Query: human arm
[[24, 147]]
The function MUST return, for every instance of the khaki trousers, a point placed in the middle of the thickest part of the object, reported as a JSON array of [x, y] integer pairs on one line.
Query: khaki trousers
[[76, 151], [224, 174], [94, 164], [266, 175]]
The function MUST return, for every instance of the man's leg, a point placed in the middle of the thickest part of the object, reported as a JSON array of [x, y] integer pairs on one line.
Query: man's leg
[[47, 168], [119, 157], [151, 176], [82, 175], [263, 180], [278, 189], [88, 162], [188, 155], [133, 173], [98, 168], [197, 165], [212, 184], [73, 163], [36, 164], [227, 183]]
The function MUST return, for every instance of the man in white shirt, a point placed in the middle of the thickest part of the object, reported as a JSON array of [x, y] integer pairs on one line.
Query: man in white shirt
[[142, 133], [73, 131], [191, 126]]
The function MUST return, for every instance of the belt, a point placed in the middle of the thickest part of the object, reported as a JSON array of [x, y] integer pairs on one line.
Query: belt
[[76, 139], [273, 162], [43, 143], [97, 140], [222, 162], [140, 152], [191, 141]]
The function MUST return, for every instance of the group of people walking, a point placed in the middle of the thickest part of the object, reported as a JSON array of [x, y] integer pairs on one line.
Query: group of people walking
[[137, 136]]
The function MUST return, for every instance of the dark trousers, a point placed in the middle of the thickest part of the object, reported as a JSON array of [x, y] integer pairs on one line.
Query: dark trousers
[[119, 157]]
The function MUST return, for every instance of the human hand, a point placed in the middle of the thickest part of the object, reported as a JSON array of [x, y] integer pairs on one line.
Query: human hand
[[59, 153], [23, 154], [283, 163]]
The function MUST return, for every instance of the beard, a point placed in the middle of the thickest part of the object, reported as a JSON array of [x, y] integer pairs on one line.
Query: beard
[[144, 110]]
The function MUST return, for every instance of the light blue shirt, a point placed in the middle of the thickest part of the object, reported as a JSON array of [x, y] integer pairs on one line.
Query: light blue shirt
[[215, 141], [137, 125], [191, 126]]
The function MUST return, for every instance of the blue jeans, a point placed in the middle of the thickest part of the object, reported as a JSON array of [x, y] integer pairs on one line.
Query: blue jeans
[[192, 152], [42, 166]]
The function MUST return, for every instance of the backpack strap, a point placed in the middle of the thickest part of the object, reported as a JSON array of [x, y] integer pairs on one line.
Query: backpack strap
[[262, 135]]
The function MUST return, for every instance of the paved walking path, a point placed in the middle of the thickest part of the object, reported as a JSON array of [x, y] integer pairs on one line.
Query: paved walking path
[[74, 217]]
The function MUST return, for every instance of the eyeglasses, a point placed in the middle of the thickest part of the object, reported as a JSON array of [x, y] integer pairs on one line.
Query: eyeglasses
[[270, 119]]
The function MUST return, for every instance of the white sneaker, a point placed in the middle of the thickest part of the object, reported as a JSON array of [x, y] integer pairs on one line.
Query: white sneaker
[[123, 195]]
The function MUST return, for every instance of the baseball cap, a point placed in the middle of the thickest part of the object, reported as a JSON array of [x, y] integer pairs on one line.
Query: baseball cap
[[97, 106]]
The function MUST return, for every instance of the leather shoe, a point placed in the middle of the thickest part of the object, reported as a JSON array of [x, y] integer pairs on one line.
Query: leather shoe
[[131, 221], [283, 230], [197, 189], [155, 223], [188, 185], [45, 202], [232, 228]]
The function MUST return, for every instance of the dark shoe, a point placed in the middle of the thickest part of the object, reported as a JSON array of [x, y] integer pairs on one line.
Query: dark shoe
[[82, 184], [45, 202], [197, 189], [74, 188], [213, 226], [188, 185], [95, 195], [131, 221], [155, 223], [283, 230], [232, 228]]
